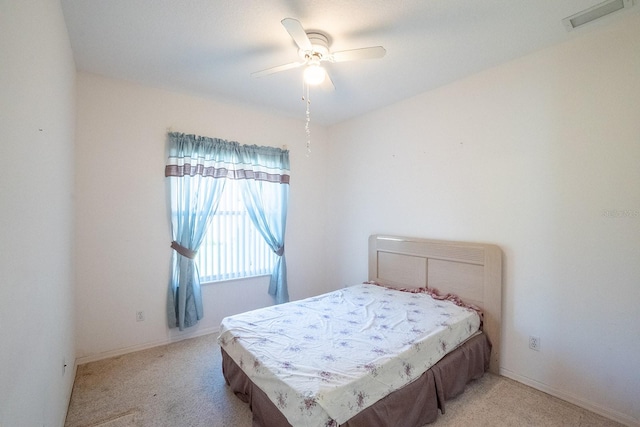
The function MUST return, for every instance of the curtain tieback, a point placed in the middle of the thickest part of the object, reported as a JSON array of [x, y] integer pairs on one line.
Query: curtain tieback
[[280, 251], [185, 252]]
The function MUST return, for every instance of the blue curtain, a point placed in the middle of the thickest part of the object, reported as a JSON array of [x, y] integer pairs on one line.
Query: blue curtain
[[194, 168], [266, 196], [198, 168]]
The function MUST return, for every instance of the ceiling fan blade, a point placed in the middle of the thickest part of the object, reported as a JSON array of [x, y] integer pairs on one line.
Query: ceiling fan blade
[[355, 54], [327, 85], [277, 69], [297, 33]]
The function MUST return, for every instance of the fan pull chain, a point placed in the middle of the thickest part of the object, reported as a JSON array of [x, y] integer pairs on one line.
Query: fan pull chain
[[308, 116]]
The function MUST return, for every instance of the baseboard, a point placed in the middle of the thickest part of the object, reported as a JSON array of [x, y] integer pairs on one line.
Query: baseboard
[[119, 352], [590, 406]]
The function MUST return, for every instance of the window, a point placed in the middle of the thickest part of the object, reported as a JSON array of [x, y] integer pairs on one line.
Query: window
[[233, 248]]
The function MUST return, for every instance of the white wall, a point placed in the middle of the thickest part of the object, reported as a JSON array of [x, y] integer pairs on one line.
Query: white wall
[[540, 156], [123, 232], [37, 95]]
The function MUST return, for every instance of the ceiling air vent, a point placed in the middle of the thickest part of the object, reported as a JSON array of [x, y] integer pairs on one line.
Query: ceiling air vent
[[595, 12]]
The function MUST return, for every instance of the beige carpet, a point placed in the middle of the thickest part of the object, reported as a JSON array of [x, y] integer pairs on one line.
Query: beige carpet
[[181, 384]]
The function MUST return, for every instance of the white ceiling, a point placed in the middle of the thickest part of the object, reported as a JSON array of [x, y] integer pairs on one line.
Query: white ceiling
[[210, 47]]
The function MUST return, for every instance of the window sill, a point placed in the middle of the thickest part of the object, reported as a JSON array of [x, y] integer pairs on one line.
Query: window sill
[[236, 279]]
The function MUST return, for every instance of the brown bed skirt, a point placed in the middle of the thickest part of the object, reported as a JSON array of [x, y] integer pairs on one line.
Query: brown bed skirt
[[414, 405]]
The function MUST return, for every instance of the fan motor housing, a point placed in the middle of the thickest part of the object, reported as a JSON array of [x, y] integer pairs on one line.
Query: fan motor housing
[[319, 46]]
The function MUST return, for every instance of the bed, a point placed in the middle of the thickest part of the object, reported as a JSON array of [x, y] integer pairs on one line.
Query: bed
[[371, 354]]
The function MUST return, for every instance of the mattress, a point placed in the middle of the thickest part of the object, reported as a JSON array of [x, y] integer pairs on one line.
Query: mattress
[[324, 359]]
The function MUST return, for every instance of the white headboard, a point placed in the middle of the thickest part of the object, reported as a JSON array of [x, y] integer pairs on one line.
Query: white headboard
[[473, 271]]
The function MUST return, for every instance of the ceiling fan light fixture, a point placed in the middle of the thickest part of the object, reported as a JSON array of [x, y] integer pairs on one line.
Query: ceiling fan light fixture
[[314, 74]]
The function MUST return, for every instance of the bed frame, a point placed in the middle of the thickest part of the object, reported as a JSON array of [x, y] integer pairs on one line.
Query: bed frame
[[473, 271]]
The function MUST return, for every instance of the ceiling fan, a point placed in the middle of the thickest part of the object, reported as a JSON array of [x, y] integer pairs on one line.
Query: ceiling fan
[[313, 49]]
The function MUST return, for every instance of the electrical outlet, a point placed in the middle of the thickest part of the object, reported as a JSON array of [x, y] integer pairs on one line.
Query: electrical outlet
[[139, 316], [534, 343]]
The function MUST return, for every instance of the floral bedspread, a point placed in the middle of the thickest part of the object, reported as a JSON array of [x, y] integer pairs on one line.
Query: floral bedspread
[[322, 360]]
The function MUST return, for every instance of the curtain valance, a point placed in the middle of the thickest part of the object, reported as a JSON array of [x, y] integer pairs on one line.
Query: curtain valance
[[218, 158]]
